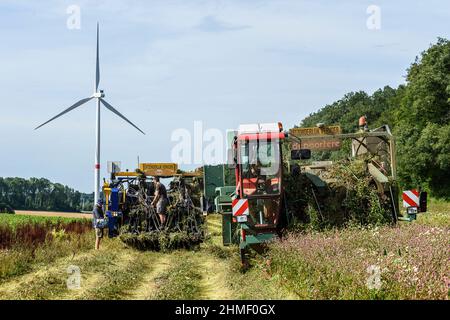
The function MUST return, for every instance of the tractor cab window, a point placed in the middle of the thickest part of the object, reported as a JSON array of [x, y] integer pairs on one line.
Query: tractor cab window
[[260, 167]]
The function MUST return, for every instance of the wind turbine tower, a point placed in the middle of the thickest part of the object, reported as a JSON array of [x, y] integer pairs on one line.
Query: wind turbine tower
[[99, 98]]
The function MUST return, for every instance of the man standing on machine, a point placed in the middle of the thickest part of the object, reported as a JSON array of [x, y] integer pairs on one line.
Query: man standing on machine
[[160, 201]]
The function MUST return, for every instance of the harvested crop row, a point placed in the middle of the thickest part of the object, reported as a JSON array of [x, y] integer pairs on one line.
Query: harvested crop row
[[119, 275], [147, 287], [181, 281], [214, 284], [50, 282]]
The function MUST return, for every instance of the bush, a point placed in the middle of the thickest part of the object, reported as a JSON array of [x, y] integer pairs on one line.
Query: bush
[[5, 208]]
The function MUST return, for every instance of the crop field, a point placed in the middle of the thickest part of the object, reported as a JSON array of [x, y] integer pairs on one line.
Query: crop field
[[409, 261], [54, 214]]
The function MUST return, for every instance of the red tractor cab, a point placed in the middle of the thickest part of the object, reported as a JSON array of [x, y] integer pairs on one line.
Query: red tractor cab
[[258, 161]]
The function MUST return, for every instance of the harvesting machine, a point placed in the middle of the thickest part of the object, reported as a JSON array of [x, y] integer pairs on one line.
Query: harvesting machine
[[128, 198], [259, 207]]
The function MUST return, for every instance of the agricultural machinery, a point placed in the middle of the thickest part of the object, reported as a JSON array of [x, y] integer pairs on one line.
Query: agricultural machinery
[[131, 216], [271, 190], [280, 178]]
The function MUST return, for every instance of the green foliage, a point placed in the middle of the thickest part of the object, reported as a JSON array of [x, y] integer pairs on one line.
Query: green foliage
[[230, 177], [438, 214], [423, 122], [353, 105], [418, 112], [18, 220], [5, 208], [350, 197], [428, 88], [41, 194]]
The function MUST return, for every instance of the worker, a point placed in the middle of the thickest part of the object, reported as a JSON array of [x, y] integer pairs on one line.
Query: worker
[[160, 201], [98, 222], [363, 123]]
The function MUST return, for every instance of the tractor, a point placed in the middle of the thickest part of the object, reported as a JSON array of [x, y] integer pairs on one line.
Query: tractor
[[258, 208], [255, 205]]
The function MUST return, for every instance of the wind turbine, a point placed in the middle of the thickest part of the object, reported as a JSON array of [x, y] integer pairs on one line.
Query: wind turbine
[[98, 96]]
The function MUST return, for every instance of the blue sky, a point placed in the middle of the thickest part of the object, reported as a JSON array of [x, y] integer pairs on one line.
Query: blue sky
[[166, 64]]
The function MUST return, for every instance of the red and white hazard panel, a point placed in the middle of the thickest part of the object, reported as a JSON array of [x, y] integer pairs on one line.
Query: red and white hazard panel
[[240, 207], [411, 198]]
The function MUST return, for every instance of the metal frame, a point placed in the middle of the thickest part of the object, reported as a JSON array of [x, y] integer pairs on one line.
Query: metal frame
[[354, 136]]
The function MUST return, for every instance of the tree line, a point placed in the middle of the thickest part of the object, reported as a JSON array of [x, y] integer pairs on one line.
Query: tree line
[[418, 113], [41, 194]]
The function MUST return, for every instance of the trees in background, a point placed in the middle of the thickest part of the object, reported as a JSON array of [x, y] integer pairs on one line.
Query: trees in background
[[347, 111], [419, 114], [423, 122], [41, 194]]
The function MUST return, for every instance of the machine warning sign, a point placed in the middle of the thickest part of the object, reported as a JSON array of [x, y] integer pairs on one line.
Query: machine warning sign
[[315, 131], [159, 169]]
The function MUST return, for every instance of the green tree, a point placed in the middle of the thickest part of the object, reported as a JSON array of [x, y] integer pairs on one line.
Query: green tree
[[423, 122], [419, 114], [41, 194]]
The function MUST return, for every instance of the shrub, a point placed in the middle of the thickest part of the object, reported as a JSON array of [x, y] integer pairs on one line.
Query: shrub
[[5, 208]]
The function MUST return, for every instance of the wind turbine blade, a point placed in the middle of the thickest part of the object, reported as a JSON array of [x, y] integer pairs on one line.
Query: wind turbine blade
[[111, 108], [97, 66], [77, 104]]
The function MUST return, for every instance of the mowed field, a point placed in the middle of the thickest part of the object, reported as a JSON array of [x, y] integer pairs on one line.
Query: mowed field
[[409, 261]]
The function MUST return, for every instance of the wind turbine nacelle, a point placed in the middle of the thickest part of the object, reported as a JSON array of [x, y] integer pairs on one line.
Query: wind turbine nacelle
[[99, 94]]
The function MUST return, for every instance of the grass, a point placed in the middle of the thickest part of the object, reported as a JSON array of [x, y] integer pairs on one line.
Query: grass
[[14, 219], [256, 283], [48, 281], [29, 231], [44, 287], [119, 275], [437, 215], [181, 281], [213, 243], [412, 259], [20, 260], [26, 242]]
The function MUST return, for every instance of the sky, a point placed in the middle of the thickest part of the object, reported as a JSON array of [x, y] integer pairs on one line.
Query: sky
[[167, 64]]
